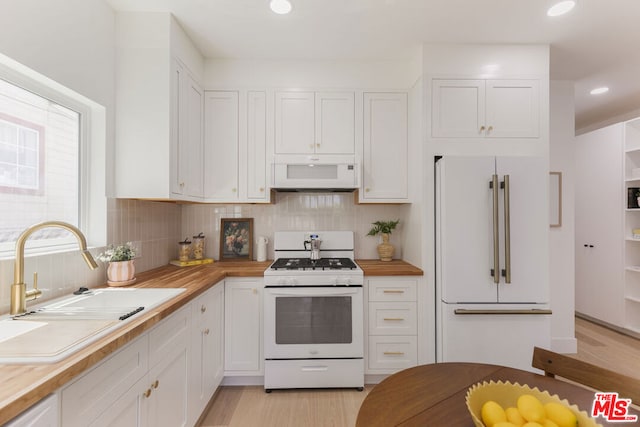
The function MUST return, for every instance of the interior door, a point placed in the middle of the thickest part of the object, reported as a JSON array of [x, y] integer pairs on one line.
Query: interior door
[[464, 230]]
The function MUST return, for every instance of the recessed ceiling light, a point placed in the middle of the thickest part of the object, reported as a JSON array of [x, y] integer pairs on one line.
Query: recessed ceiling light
[[561, 8], [281, 7], [599, 90]]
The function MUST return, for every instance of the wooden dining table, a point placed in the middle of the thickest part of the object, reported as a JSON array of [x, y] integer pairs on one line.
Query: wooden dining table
[[434, 395]]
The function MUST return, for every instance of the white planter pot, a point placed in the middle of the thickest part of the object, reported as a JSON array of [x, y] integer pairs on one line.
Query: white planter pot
[[121, 271]]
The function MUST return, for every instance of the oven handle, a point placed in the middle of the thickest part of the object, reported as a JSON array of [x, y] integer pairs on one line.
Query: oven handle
[[313, 291]]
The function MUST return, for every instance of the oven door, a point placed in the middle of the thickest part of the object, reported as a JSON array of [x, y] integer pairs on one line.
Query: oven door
[[313, 322]]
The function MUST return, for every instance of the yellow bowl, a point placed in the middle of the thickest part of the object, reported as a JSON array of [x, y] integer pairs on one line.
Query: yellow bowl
[[506, 394]]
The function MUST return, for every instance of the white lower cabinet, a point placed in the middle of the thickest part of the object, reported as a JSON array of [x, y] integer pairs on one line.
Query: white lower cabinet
[[207, 358], [392, 324], [243, 327], [165, 377], [42, 414]]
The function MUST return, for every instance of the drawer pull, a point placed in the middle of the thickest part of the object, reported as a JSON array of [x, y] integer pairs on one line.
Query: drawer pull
[[393, 291], [206, 331], [147, 393], [393, 353], [203, 308], [155, 384], [393, 319]]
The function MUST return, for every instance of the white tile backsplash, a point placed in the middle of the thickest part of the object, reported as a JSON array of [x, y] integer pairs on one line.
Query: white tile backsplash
[[158, 227], [296, 211]]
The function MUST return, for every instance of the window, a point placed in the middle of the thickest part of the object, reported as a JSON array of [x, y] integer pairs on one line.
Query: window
[[21, 156], [40, 168]]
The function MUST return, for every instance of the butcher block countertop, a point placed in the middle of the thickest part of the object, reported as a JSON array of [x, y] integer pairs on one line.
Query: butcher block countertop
[[396, 267], [25, 385]]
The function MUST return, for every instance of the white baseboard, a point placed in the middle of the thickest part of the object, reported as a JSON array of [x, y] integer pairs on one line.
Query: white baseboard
[[567, 345], [243, 380]]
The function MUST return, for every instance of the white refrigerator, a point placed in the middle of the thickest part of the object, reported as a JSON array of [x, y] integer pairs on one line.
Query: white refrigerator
[[492, 266]]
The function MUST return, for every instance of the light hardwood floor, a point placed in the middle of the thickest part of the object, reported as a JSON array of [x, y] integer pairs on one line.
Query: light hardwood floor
[[252, 407]]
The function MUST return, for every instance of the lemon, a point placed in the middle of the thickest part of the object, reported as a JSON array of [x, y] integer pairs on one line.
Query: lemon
[[548, 423], [530, 408], [532, 424], [514, 417], [560, 414], [504, 424], [492, 413]]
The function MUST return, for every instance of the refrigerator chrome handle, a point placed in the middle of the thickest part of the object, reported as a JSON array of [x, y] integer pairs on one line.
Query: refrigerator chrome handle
[[507, 231], [501, 311], [495, 272]]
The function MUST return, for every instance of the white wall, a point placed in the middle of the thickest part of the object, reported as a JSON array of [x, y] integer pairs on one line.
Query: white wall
[[561, 239]]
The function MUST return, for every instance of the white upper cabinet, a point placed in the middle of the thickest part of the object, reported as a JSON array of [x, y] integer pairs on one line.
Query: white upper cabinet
[[187, 138], [466, 108], [314, 123], [257, 172], [158, 114], [221, 146], [235, 153], [385, 148]]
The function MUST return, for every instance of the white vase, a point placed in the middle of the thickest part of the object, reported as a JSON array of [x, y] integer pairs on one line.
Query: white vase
[[121, 271]]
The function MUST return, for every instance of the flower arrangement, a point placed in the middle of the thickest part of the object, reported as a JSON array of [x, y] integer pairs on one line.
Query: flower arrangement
[[382, 227], [235, 237], [125, 252]]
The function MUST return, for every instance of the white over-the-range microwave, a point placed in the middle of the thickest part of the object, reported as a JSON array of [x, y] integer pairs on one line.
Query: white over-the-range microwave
[[319, 172]]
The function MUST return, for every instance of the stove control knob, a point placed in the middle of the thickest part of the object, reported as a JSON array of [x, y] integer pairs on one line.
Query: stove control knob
[[292, 282], [347, 281], [281, 281]]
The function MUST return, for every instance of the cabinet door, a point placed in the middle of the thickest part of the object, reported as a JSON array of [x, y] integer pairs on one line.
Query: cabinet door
[[243, 327], [458, 108], [385, 153], [191, 141], [295, 131], [186, 133], [43, 414], [221, 145], [512, 109], [130, 410], [206, 365], [167, 401], [257, 146], [335, 123]]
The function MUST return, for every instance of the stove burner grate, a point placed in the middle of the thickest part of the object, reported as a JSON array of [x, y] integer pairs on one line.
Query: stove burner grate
[[309, 264]]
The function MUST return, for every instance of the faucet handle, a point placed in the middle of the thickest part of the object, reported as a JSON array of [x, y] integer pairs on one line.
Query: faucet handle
[[35, 292]]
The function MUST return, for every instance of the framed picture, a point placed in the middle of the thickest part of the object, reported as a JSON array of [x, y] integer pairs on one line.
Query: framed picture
[[236, 239]]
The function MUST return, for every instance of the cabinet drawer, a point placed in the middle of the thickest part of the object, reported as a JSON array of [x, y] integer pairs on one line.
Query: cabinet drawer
[[392, 352], [92, 393], [392, 318], [173, 332], [393, 290]]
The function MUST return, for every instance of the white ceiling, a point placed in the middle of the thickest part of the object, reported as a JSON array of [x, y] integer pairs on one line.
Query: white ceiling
[[594, 45]]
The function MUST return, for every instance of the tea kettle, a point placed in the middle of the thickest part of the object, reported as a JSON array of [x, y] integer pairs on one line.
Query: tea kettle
[[314, 244], [262, 248]]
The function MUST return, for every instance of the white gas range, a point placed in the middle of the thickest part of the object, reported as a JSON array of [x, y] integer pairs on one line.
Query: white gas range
[[313, 313]]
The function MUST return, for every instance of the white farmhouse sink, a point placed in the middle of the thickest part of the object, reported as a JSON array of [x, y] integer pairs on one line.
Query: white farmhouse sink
[[10, 328], [56, 330]]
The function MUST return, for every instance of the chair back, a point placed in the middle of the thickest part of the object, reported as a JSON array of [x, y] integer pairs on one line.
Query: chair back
[[587, 374]]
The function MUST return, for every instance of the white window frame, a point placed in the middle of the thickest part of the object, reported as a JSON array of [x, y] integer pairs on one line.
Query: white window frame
[[92, 217]]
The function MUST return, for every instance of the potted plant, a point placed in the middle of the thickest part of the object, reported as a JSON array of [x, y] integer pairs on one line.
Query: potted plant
[[121, 269], [384, 228]]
